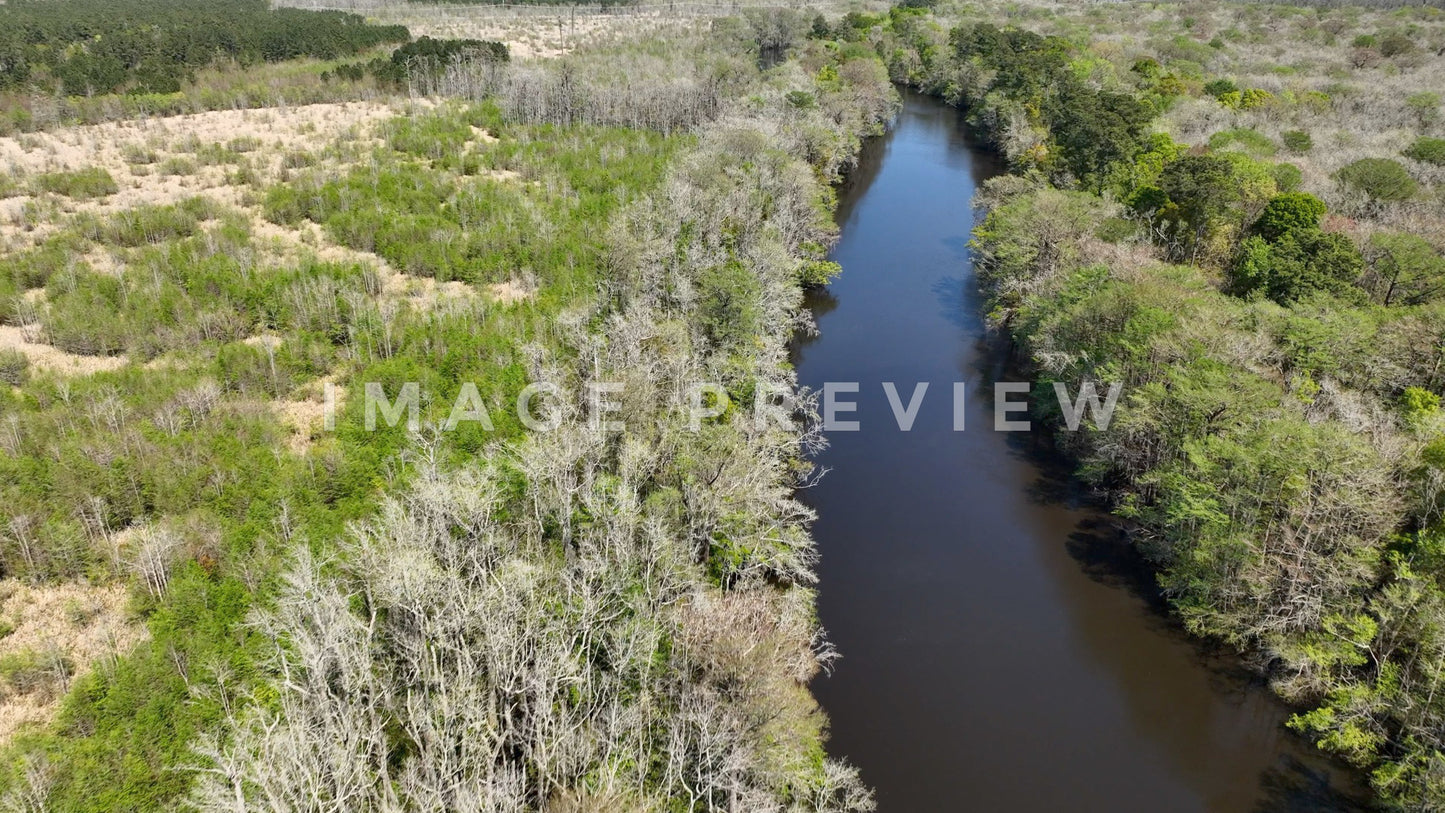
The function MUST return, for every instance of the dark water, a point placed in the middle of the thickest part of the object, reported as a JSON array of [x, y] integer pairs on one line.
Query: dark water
[[1000, 652]]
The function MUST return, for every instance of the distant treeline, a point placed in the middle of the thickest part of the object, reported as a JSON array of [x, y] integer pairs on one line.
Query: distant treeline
[[602, 3], [424, 57], [82, 47]]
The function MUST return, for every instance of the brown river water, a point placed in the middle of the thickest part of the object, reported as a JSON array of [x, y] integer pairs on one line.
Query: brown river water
[[1002, 648]]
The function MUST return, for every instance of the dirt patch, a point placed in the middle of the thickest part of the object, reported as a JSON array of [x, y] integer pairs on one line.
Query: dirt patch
[[60, 632]]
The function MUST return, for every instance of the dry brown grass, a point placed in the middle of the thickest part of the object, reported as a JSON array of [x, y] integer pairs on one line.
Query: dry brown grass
[[273, 132], [50, 359], [73, 625]]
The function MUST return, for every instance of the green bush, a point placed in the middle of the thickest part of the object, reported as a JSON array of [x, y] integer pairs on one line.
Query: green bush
[[1396, 45], [298, 160], [177, 167], [1381, 178], [1254, 98], [1219, 87], [1287, 177], [80, 184], [1288, 212], [139, 155], [1247, 139], [29, 671], [1297, 141], [1429, 150]]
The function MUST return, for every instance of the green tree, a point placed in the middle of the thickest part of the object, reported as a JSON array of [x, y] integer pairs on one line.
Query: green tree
[[1404, 269], [1202, 189], [1288, 212], [1302, 262]]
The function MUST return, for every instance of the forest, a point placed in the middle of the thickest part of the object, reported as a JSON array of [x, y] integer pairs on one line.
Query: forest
[[1279, 333], [90, 47]]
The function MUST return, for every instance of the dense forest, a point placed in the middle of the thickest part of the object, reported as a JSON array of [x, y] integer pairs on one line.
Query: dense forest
[[1280, 449], [89, 47]]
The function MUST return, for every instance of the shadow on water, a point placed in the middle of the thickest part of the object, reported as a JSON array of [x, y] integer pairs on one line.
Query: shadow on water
[[1004, 647]]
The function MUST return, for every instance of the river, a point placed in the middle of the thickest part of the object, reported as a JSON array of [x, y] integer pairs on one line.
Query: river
[[1001, 650]]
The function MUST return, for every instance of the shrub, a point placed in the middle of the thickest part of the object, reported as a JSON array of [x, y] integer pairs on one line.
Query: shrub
[[1288, 212], [1248, 139], [1219, 87], [80, 184], [1297, 141], [1429, 150], [1419, 404], [244, 144], [729, 304], [1364, 41], [172, 167], [14, 367], [1287, 177], [139, 154], [298, 160], [1381, 178], [1254, 98], [1426, 106], [29, 672], [1396, 45], [1404, 269]]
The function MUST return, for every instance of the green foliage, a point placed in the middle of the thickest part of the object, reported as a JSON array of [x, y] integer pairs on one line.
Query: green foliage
[[1404, 269], [1287, 212], [1092, 130], [1219, 87], [80, 184], [1247, 138], [1382, 179], [1303, 261], [429, 57], [1297, 141], [1287, 177], [1429, 150], [1425, 105], [1201, 189], [1255, 98], [1419, 404], [152, 46], [730, 306], [819, 272]]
